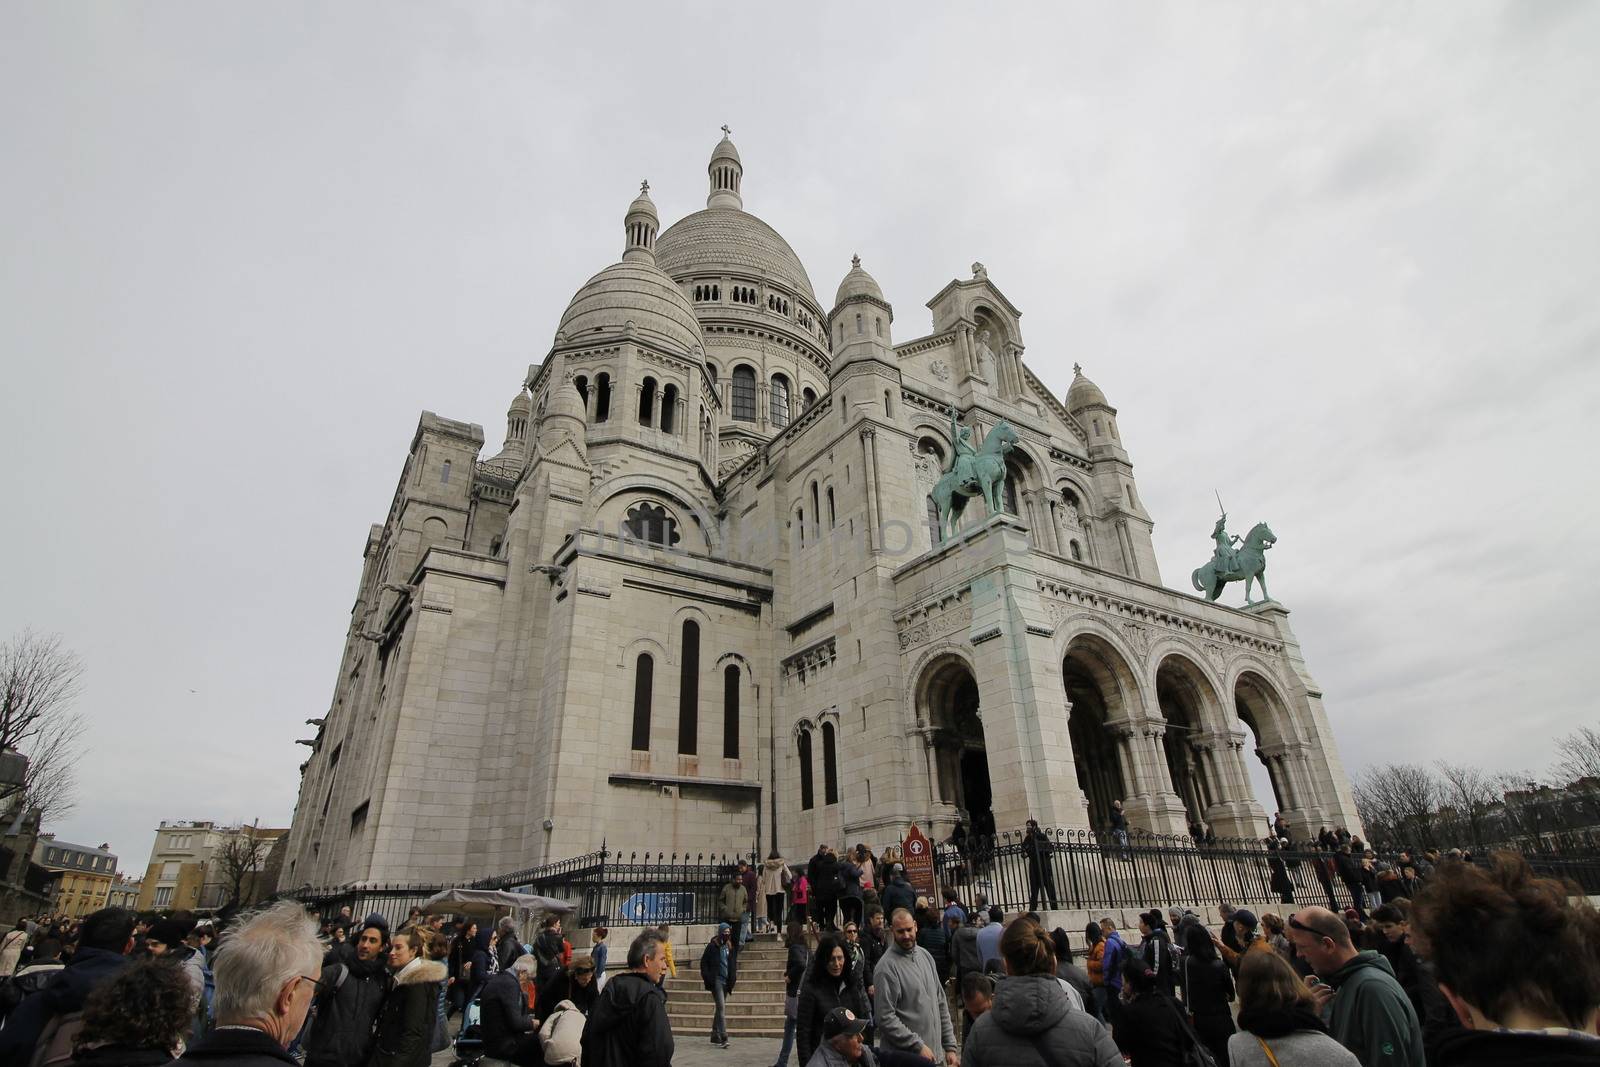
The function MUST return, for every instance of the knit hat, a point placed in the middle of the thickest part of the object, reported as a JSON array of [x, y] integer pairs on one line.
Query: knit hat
[[170, 932], [377, 922], [1245, 917]]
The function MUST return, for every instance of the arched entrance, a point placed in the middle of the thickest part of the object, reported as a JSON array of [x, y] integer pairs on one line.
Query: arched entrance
[[1097, 684], [1278, 776], [950, 703], [1183, 695]]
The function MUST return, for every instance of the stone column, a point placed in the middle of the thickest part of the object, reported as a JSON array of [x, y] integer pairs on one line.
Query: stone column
[[1234, 812], [869, 452], [1013, 361], [964, 351]]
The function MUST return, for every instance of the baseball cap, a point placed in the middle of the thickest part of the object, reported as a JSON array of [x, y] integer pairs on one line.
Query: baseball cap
[[842, 1021], [1245, 917]]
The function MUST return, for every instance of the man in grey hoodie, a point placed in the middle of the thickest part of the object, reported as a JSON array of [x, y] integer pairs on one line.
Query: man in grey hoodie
[[910, 1008]]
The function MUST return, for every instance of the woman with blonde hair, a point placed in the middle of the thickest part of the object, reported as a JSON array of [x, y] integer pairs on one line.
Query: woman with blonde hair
[[1279, 1024]]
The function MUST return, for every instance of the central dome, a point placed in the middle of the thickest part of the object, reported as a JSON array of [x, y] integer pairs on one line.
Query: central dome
[[727, 239]]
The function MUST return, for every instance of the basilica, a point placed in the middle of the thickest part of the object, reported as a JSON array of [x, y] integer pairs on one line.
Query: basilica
[[702, 598]]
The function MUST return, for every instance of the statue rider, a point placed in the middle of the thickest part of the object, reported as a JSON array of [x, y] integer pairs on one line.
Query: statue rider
[[1223, 561], [961, 436]]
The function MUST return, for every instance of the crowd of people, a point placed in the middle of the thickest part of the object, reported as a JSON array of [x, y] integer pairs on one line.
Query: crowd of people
[[1482, 964]]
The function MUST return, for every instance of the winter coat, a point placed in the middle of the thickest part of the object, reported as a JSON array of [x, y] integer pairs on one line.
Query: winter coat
[[937, 942], [794, 969], [628, 1026], [1157, 953], [480, 961], [1370, 1010], [752, 888], [1280, 880], [238, 1048], [817, 999], [774, 877], [562, 986], [1207, 987], [711, 964], [1299, 1048], [827, 1056], [1032, 1022], [347, 1012], [509, 948], [1097, 963], [562, 1034], [503, 1012], [122, 1056], [898, 894], [823, 871], [11, 947], [548, 948], [1151, 1030], [63, 995], [1078, 979], [405, 1025], [964, 949], [849, 880], [730, 902], [801, 889], [1497, 1048]]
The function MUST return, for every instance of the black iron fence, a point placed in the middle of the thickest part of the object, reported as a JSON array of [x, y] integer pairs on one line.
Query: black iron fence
[[1067, 869]]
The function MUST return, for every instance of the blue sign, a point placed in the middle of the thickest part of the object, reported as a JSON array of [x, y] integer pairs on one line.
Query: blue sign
[[647, 908]]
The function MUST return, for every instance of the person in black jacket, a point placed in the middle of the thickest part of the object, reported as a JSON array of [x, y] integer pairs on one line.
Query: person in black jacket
[[1207, 991], [575, 983], [628, 1026], [832, 982], [480, 963], [795, 966], [1156, 949], [460, 965], [510, 1031], [1280, 881], [719, 970], [1041, 871], [898, 894], [823, 870], [404, 1035], [349, 998], [137, 1018], [1150, 1028], [103, 940]]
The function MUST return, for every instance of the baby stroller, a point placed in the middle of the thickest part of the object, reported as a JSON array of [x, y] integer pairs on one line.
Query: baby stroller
[[469, 1040]]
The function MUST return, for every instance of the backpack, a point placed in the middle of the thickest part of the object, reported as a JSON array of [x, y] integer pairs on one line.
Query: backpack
[[54, 1047]]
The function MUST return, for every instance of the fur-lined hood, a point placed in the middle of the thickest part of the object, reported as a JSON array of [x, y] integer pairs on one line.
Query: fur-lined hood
[[420, 971]]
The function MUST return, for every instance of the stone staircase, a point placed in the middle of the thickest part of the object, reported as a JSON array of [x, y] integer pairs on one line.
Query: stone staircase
[[754, 1010]]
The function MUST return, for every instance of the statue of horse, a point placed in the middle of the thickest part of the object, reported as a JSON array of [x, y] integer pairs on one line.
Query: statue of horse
[[983, 473], [1247, 564]]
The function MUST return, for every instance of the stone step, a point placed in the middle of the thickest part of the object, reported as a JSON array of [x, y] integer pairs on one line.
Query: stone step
[[683, 1038], [742, 985], [732, 1007], [702, 996]]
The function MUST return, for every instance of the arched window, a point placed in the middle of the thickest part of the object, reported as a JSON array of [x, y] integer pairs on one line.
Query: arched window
[[602, 398], [644, 672], [808, 398], [808, 798], [651, 524], [583, 390], [830, 766], [669, 408], [744, 393], [800, 524], [877, 324], [932, 520], [888, 410], [444, 473], [833, 516], [1010, 501], [647, 401], [778, 400], [816, 507], [1077, 553], [859, 327], [711, 369], [730, 712], [689, 690]]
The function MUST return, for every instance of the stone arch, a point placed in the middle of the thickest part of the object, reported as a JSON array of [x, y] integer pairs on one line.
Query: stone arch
[[630, 651], [1189, 702], [698, 531], [1259, 704], [949, 705], [1105, 709]]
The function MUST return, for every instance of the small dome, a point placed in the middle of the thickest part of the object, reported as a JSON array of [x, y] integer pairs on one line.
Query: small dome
[[643, 205], [521, 405], [633, 295], [1083, 393], [858, 283], [725, 149]]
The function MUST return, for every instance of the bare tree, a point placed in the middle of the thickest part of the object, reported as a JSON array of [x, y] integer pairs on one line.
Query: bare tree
[[1472, 793], [1398, 802], [1580, 755], [239, 860], [39, 680]]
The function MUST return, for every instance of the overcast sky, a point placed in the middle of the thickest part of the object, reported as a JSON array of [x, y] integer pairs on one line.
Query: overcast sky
[[1337, 261]]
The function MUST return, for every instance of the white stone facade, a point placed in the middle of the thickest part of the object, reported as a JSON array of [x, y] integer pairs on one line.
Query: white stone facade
[[531, 667]]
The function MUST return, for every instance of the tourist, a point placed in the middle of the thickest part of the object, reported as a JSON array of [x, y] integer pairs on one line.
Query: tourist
[[898, 892], [1150, 1028], [438, 948], [858, 956], [1075, 977], [1272, 932], [1517, 959], [831, 982], [598, 951], [508, 944], [1324, 866], [977, 997], [850, 892], [874, 940], [459, 964], [1394, 944], [823, 871], [549, 948], [1280, 828], [1279, 879], [910, 1008], [405, 1031], [843, 1042], [1038, 851], [103, 939], [1246, 935], [1348, 865], [1094, 964], [562, 1035], [40, 969], [774, 883], [348, 999], [669, 964], [730, 903], [137, 1018], [752, 893], [414, 918], [1278, 1020], [1156, 949], [481, 963], [1032, 1019], [268, 966], [11, 947], [575, 983], [1367, 1011], [1229, 935], [795, 966], [628, 1026], [719, 971], [931, 936], [1113, 958], [1119, 827], [869, 874], [510, 1031], [1207, 991], [800, 896], [964, 948]]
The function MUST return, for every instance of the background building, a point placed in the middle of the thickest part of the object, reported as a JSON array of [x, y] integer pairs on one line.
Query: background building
[[201, 866], [124, 893], [695, 603], [84, 874]]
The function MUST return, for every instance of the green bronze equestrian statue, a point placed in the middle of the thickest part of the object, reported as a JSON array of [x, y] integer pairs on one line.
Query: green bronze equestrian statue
[[972, 472], [1246, 563]]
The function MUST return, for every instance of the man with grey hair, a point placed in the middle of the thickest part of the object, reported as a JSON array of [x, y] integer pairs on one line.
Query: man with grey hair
[[267, 969], [628, 1026]]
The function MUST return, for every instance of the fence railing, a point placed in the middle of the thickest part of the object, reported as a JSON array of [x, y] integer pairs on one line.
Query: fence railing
[[1068, 869]]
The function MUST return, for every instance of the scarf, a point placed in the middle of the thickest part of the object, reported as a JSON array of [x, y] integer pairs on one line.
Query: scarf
[[1276, 1022]]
